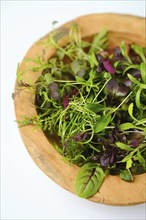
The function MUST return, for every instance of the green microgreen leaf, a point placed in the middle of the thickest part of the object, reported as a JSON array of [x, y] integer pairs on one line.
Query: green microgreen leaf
[[126, 126], [143, 72], [99, 41], [141, 159], [74, 33], [137, 98], [130, 110], [133, 79], [129, 163], [124, 51], [48, 78], [92, 60], [140, 51], [131, 66], [89, 179], [123, 146], [126, 175], [96, 107], [102, 123]]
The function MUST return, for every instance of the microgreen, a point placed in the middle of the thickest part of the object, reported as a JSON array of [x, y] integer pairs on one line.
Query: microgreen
[[94, 102]]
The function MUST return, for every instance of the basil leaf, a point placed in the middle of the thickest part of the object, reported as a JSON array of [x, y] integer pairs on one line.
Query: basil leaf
[[102, 123], [126, 175], [89, 180]]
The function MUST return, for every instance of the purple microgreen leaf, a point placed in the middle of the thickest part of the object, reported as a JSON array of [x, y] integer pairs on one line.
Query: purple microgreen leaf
[[54, 91], [100, 68], [99, 58], [53, 87], [122, 91], [73, 93], [127, 82], [55, 95], [104, 160], [65, 102], [108, 157], [134, 143], [118, 54], [80, 137], [108, 67], [112, 87], [115, 89], [112, 157]]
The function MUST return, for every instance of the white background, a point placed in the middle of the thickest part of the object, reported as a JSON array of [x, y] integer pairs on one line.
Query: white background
[[27, 193]]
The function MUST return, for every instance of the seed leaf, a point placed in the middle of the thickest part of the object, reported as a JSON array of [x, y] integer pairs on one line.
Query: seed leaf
[[102, 122], [89, 180], [126, 175]]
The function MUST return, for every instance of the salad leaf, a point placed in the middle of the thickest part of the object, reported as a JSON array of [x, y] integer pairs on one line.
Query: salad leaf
[[88, 180], [102, 122], [126, 175]]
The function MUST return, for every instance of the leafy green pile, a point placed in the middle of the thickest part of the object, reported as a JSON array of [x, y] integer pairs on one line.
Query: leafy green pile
[[92, 101]]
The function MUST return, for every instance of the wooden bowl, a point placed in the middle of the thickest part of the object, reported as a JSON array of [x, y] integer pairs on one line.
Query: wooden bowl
[[113, 191]]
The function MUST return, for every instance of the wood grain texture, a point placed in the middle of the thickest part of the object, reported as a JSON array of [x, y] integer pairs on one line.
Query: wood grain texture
[[113, 191]]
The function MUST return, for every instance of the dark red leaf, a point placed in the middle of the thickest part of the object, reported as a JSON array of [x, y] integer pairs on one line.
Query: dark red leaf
[[108, 67], [65, 102]]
